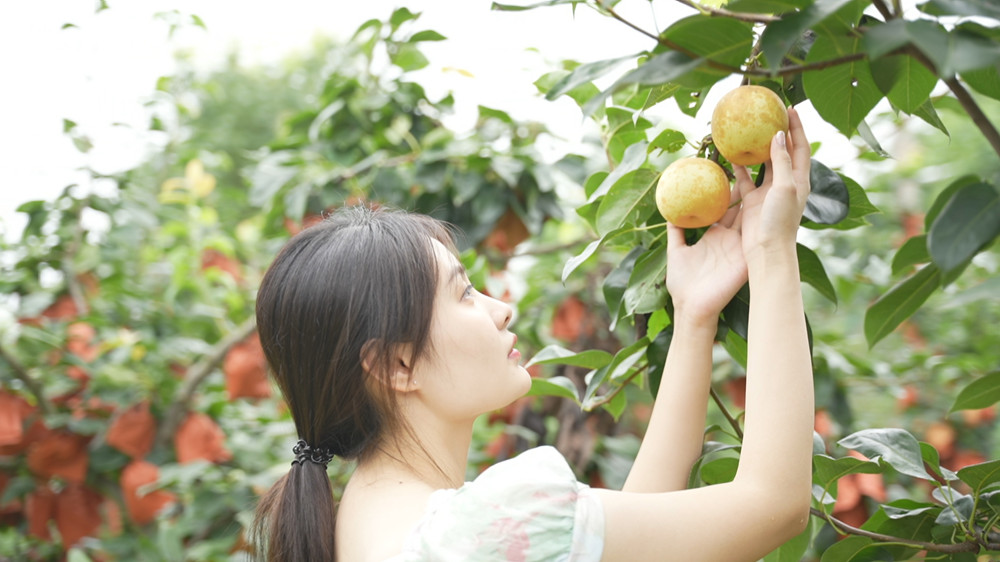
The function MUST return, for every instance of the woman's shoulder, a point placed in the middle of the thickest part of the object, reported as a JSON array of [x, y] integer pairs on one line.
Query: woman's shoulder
[[530, 507]]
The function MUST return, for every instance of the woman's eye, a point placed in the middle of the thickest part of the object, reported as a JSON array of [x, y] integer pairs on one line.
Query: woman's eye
[[468, 291]]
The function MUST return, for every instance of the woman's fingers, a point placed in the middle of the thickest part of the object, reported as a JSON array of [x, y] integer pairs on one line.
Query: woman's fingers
[[781, 161], [733, 212], [801, 153], [675, 237]]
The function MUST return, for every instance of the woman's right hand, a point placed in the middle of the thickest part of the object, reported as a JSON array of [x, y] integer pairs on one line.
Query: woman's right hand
[[771, 213]]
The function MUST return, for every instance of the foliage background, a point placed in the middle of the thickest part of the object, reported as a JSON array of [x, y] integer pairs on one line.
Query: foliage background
[[136, 419]]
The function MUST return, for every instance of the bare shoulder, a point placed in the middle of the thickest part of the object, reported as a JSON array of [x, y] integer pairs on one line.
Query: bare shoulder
[[374, 519]]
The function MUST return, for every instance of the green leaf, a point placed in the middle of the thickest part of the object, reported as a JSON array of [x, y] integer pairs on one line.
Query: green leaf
[[584, 74], [633, 157], [900, 303], [829, 200], [646, 289], [408, 57], [843, 94], [720, 470], [811, 271], [198, 22], [401, 16], [906, 82], [736, 313], [979, 476], [554, 386], [945, 196], [656, 357], [767, 6], [616, 282], [895, 446], [986, 81], [720, 40], [865, 132], [972, 8], [736, 347], [980, 393], [827, 470], [426, 35], [663, 68], [629, 202], [906, 519], [969, 221], [516, 8], [912, 252], [850, 549], [622, 362], [932, 459], [860, 208], [554, 354], [927, 112], [668, 140], [780, 36]]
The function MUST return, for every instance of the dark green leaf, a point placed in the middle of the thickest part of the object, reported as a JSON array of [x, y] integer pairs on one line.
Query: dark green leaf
[[780, 36], [946, 194], [554, 354], [634, 156], [842, 94], [980, 393], [629, 202], [689, 101], [811, 271], [905, 519], [912, 252], [646, 289], [656, 357], [721, 40], [895, 446], [736, 346], [622, 362], [736, 313], [933, 460], [906, 82], [616, 282], [583, 74], [900, 303], [663, 68], [969, 221], [554, 386], [958, 507], [668, 140], [829, 200]]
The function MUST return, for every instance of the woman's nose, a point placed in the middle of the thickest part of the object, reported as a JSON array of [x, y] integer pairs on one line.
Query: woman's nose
[[502, 313]]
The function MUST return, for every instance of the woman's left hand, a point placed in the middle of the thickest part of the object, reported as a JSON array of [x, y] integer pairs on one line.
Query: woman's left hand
[[704, 277]]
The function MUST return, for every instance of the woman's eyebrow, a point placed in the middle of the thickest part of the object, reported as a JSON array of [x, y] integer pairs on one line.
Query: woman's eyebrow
[[458, 276]]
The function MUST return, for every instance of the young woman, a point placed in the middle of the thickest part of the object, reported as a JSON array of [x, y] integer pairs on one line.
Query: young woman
[[386, 354]]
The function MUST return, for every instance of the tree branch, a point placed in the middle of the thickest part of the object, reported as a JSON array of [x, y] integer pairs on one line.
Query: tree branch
[[975, 112], [964, 98], [21, 373], [725, 412], [722, 12], [196, 374], [883, 9], [966, 546]]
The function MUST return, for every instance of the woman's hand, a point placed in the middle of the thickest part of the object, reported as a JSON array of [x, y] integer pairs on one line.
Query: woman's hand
[[703, 278], [770, 214]]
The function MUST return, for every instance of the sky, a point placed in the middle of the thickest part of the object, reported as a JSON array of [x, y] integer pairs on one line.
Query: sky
[[100, 69]]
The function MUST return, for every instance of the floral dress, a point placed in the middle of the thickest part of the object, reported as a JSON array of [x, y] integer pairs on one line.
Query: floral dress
[[529, 508]]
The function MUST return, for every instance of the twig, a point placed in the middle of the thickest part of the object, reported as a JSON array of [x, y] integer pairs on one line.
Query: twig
[[611, 395], [978, 117], [722, 12], [197, 374], [883, 9], [966, 546], [21, 373], [725, 412], [964, 98]]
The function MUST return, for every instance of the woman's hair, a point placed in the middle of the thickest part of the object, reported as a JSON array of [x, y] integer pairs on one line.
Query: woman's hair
[[359, 284]]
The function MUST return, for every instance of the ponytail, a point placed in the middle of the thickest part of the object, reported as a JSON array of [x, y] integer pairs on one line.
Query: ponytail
[[295, 518]]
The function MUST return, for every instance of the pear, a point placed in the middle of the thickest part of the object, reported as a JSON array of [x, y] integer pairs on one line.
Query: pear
[[693, 192], [744, 121]]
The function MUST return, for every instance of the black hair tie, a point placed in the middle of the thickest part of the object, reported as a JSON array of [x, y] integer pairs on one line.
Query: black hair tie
[[303, 452]]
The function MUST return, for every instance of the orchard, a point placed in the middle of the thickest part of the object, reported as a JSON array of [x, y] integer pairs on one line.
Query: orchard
[[136, 417]]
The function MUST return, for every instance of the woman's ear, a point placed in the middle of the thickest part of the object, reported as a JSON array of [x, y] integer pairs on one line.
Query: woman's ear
[[398, 371]]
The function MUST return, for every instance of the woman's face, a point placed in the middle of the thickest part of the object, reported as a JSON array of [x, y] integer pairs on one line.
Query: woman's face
[[472, 366]]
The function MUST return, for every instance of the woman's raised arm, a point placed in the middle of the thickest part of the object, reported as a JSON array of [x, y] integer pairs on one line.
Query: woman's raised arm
[[768, 501]]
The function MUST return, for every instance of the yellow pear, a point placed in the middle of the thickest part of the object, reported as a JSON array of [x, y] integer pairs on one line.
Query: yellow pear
[[693, 192], [744, 122]]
